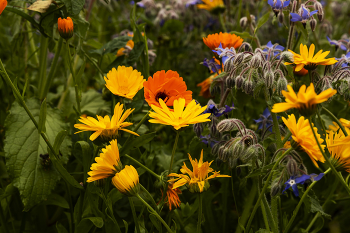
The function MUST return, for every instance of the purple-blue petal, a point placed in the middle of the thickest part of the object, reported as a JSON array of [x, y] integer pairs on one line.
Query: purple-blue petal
[[140, 4], [295, 190], [269, 44], [286, 3], [279, 47], [329, 39], [305, 14], [270, 2], [343, 47], [302, 179], [286, 188], [266, 113], [278, 4], [313, 12], [317, 177], [295, 17], [347, 55]]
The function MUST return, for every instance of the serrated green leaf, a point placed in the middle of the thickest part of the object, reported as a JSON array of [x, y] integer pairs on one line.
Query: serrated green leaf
[[262, 21], [23, 146], [316, 207]]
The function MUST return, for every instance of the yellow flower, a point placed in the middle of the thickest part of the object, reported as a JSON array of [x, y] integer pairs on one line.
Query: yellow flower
[[305, 101], [127, 181], [129, 45], [125, 81], [214, 6], [108, 129], [179, 117], [303, 137], [107, 164], [287, 144], [196, 179], [335, 126], [308, 60], [339, 147]]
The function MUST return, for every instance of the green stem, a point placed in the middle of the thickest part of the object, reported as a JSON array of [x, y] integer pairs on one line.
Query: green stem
[[269, 215], [71, 210], [42, 65], [143, 166], [173, 152], [111, 211], [32, 43], [322, 124], [3, 220], [70, 64], [222, 22], [134, 215], [200, 210], [286, 138], [339, 176], [239, 10], [233, 192], [150, 196], [264, 188], [336, 120], [150, 209], [263, 211], [295, 212], [52, 69]]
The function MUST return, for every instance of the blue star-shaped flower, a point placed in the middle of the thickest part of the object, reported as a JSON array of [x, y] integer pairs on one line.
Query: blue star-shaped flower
[[208, 140], [211, 64], [270, 48], [265, 120], [193, 2], [337, 44], [292, 182], [211, 108], [225, 53], [278, 5], [347, 59], [305, 15]]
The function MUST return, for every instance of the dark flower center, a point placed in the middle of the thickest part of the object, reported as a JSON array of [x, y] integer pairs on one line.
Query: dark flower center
[[161, 95]]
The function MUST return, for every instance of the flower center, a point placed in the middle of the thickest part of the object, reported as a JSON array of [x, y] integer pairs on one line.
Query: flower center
[[292, 182], [162, 95], [124, 89]]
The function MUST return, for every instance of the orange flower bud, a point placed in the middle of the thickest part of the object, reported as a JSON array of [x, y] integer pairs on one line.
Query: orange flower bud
[[3, 4], [302, 72], [65, 27]]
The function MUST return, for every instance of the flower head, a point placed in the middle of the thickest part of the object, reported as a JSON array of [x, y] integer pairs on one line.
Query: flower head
[[125, 81], [308, 60], [306, 100], [227, 40], [293, 181], [197, 179], [278, 5], [225, 53], [303, 137], [179, 117], [208, 140], [346, 59], [218, 112], [127, 181], [265, 121], [335, 126], [3, 4], [172, 196], [213, 64], [303, 15], [205, 86], [338, 44], [126, 49], [65, 27], [272, 50], [338, 146], [214, 6], [166, 86], [104, 126], [107, 164]]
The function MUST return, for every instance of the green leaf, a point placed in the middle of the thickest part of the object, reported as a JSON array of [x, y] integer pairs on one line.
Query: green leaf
[[59, 140], [74, 6], [316, 207], [84, 157], [260, 171], [42, 117], [263, 231], [262, 21], [243, 34], [81, 26], [126, 225], [92, 102], [112, 46], [60, 228], [84, 226], [155, 221], [135, 53], [97, 221], [137, 142], [23, 147], [57, 200]]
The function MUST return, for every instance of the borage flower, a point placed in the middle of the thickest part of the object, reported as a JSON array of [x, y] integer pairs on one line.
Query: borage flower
[[104, 126], [225, 53], [218, 112], [214, 6], [125, 81], [127, 181], [227, 40], [338, 146], [338, 44], [278, 5], [273, 50], [198, 179], [208, 140], [303, 137], [306, 100], [308, 60], [107, 164], [166, 86], [345, 59], [293, 181], [303, 15], [179, 117], [265, 121], [213, 64]]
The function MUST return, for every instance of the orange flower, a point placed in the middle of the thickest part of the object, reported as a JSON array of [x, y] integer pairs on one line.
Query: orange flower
[[65, 27], [168, 86], [3, 4], [302, 72], [172, 196], [205, 86], [227, 40]]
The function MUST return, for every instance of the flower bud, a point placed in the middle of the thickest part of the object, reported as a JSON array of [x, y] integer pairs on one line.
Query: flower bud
[[239, 82], [256, 61], [287, 57], [319, 8], [280, 17], [281, 85], [230, 82], [292, 167], [198, 129], [238, 59], [250, 152], [313, 24], [275, 187], [248, 87], [328, 69], [269, 78], [65, 27], [127, 181], [243, 22]]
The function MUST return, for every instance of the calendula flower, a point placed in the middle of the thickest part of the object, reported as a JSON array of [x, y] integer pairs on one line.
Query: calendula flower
[[303, 137], [300, 73], [172, 196], [127, 181], [127, 48], [214, 6], [335, 126], [166, 86], [104, 126], [179, 117], [125, 81], [205, 86], [197, 179], [65, 27], [287, 144], [338, 146], [309, 59], [227, 40], [3, 4], [306, 100], [107, 164]]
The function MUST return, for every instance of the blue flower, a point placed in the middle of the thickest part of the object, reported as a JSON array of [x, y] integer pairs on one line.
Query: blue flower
[[193, 2], [212, 108], [278, 5], [346, 58], [208, 140], [132, 2], [265, 120], [272, 48], [211, 64], [292, 182], [337, 44], [305, 14], [225, 54]]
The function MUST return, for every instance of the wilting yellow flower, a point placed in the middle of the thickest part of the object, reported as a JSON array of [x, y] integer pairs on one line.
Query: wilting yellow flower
[[172, 196], [107, 164], [308, 60], [125, 81], [338, 146], [335, 126], [197, 180], [306, 100], [108, 129], [303, 137], [127, 181], [179, 117], [215, 6]]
